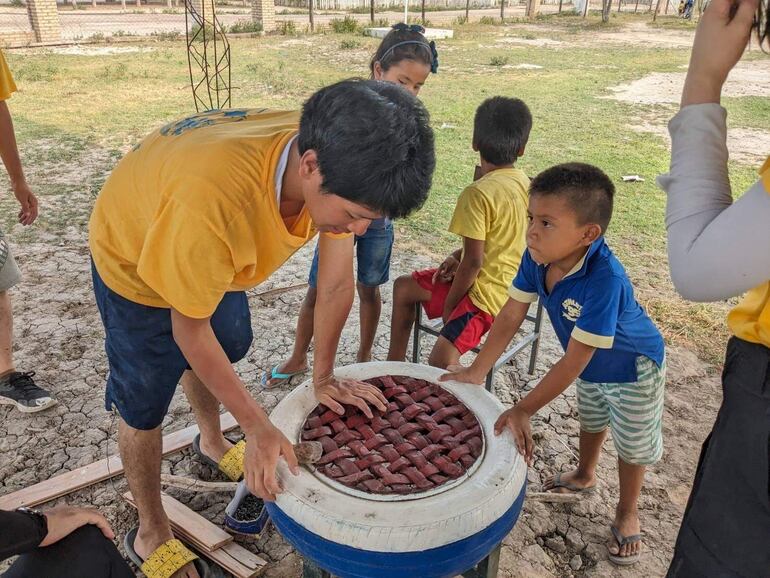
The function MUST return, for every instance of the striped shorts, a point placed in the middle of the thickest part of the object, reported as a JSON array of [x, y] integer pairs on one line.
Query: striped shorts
[[634, 412]]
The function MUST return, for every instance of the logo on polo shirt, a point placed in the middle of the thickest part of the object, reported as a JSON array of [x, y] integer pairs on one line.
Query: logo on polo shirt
[[571, 309]]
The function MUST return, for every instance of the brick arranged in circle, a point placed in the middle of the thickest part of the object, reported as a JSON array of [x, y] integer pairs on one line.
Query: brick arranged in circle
[[424, 439]]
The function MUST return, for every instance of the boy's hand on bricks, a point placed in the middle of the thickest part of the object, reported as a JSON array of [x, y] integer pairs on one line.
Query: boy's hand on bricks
[[517, 421], [263, 449], [446, 271], [463, 375], [333, 393]]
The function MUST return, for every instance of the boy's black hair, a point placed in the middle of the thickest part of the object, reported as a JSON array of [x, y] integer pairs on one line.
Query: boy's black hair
[[405, 43], [374, 144], [586, 188], [501, 129]]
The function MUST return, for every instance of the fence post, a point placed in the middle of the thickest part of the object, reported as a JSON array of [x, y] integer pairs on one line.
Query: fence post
[[44, 18]]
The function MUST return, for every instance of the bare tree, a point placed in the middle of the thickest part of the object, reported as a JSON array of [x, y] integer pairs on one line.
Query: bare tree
[[422, 7], [467, 10], [371, 11], [310, 14], [606, 8], [502, 10]]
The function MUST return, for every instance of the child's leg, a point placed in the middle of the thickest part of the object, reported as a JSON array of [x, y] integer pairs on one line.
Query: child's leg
[[369, 316], [594, 415], [297, 361], [406, 294], [631, 478], [6, 334], [444, 354], [585, 474], [637, 431], [373, 251]]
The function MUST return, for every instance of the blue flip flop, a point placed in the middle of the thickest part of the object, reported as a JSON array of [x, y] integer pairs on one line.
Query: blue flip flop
[[283, 378]]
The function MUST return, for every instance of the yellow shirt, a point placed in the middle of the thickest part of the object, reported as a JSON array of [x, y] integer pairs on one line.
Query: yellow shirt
[[7, 85], [494, 210], [192, 213], [750, 319]]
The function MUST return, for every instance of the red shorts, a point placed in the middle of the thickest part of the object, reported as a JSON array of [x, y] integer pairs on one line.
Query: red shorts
[[467, 323]]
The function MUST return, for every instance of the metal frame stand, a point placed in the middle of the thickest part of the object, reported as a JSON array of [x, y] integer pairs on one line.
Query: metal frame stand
[[487, 568], [532, 338]]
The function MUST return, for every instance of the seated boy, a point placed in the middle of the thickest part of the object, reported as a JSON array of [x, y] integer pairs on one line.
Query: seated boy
[[612, 347], [470, 286], [208, 207]]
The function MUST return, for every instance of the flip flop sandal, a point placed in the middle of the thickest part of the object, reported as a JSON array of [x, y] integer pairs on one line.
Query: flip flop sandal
[[556, 482], [231, 463], [283, 378], [167, 559], [623, 541]]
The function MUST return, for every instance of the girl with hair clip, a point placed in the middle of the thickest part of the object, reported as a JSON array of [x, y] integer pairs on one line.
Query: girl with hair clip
[[720, 249], [407, 58]]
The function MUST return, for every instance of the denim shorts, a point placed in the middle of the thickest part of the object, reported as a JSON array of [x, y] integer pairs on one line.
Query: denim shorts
[[373, 250], [145, 362]]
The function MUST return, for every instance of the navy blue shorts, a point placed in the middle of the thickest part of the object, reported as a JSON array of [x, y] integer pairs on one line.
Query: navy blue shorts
[[144, 360], [373, 250]]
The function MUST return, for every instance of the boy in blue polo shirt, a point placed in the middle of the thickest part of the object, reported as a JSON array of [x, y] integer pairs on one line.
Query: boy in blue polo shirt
[[613, 351]]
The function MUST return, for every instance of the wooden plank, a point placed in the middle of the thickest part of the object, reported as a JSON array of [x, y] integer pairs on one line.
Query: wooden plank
[[97, 472], [187, 522], [197, 531]]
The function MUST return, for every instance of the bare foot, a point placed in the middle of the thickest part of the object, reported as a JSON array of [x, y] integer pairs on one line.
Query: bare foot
[[289, 366], [575, 479], [627, 525], [146, 543], [215, 448]]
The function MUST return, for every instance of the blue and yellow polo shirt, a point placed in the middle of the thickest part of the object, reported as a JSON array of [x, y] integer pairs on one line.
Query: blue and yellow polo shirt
[[595, 304]]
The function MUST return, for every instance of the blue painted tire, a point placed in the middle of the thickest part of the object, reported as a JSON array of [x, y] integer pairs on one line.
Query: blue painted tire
[[444, 533], [443, 562]]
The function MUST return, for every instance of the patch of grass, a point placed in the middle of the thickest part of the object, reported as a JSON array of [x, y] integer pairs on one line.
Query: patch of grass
[[246, 26], [489, 20], [498, 61], [460, 21], [287, 28], [167, 36], [36, 71], [17, 3], [347, 25], [382, 23], [97, 37], [117, 71], [349, 44]]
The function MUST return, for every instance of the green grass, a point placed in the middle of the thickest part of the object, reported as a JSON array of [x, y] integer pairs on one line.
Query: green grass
[[113, 100]]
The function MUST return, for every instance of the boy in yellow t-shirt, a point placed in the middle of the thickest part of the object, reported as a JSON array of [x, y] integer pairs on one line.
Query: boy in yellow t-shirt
[[16, 388], [471, 285], [208, 207]]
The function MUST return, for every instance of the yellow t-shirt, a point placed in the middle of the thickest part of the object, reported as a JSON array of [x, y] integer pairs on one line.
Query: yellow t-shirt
[[750, 319], [192, 211], [7, 85], [494, 210]]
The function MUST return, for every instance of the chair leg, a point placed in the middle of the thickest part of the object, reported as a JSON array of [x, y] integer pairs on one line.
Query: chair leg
[[310, 570], [490, 379], [416, 333]]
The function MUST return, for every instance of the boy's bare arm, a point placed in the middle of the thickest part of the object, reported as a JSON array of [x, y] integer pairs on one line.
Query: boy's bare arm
[[264, 442], [333, 302], [465, 276], [10, 155], [559, 377], [506, 325]]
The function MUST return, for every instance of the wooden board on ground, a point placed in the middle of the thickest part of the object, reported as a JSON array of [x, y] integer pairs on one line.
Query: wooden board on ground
[[209, 536], [201, 534], [97, 472]]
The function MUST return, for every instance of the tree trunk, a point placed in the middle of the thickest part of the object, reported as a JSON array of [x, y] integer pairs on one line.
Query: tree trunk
[[310, 14], [585, 8], [619, 4], [371, 11], [502, 10], [138, 3], [467, 10], [560, 2], [636, 7], [606, 7], [93, 3], [123, 5], [422, 8]]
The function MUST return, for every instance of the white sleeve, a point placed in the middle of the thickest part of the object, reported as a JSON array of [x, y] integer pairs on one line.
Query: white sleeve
[[717, 249]]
